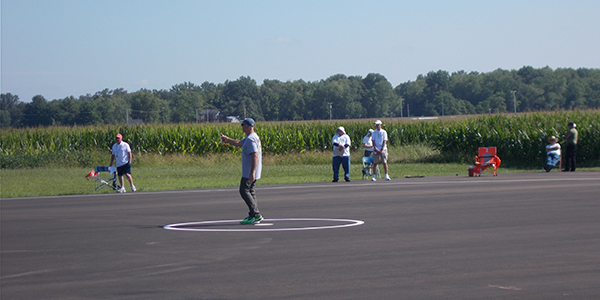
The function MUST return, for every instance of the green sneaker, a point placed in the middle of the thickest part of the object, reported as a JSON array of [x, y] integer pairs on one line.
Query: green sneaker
[[251, 220], [258, 219]]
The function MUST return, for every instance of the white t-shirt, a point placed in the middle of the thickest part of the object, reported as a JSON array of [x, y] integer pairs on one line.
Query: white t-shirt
[[343, 140], [251, 144], [557, 151], [378, 137], [367, 140], [121, 153]]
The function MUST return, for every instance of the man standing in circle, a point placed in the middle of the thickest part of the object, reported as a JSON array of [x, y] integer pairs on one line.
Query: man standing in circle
[[121, 155], [341, 154], [571, 141], [380, 153], [251, 168]]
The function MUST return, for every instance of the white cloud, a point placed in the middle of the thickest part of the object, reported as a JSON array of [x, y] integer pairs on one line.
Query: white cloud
[[282, 40], [142, 83]]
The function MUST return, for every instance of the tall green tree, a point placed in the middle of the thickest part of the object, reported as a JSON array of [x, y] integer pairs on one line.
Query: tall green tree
[[379, 99], [184, 101], [467, 86], [67, 110], [271, 92], [38, 112], [147, 107], [413, 94], [11, 110], [240, 98]]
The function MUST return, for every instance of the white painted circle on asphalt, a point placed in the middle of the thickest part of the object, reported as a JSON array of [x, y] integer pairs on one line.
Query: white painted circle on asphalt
[[209, 226]]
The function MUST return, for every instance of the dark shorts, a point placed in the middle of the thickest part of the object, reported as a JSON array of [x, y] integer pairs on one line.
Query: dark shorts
[[124, 169]]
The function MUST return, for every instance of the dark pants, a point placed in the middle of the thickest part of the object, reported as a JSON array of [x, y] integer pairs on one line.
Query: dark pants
[[249, 195], [345, 162], [570, 157]]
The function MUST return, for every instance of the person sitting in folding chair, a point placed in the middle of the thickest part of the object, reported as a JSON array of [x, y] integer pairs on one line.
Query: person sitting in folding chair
[[121, 155], [368, 168], [552, 154]]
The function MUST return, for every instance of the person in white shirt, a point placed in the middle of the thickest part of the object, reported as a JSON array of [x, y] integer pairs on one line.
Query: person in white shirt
[[552, 154], [121, 155], [368, 143], [380, 153], [251, 168], [341, 154]]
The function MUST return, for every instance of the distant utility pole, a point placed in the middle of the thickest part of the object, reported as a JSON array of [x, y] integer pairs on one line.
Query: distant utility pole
[[442, 107], [330, 107], [515, 100], [127, 116], [401, 106]]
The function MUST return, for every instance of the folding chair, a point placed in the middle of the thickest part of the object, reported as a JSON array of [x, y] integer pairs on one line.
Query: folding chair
[[101, 181], [487, 160], [368, 167]]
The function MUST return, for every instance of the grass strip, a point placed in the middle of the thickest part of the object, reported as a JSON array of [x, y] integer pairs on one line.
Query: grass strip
[[152, 172]]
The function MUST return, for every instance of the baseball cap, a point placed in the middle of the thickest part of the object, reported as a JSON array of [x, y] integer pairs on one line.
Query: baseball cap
[[342, 129], [572, 124], [119, 136], [371, 131], [248, 121], [378, 122]]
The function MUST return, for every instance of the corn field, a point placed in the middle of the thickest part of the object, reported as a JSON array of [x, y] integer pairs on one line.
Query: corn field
[[520, 139]]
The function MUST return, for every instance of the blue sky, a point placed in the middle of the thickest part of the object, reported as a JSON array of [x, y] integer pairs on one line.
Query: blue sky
[[61, 48]]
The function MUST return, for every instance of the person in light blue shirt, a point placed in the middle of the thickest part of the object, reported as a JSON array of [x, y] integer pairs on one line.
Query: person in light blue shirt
[[251, 168]]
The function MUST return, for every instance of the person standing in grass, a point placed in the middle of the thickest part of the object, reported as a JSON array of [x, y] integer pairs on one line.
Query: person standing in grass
[[251, 168], [571, 142], [368, 143], [341, 154], [380, 153], [121, 155]]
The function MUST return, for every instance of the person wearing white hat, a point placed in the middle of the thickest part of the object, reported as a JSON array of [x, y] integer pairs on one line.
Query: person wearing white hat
[[380, 153], [341, 154], [552, 154]]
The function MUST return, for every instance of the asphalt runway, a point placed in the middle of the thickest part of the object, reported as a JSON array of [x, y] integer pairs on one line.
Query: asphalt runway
[[515, 236]]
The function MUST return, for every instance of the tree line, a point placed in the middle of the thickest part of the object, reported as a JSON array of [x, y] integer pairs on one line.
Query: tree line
[[337, 97]]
